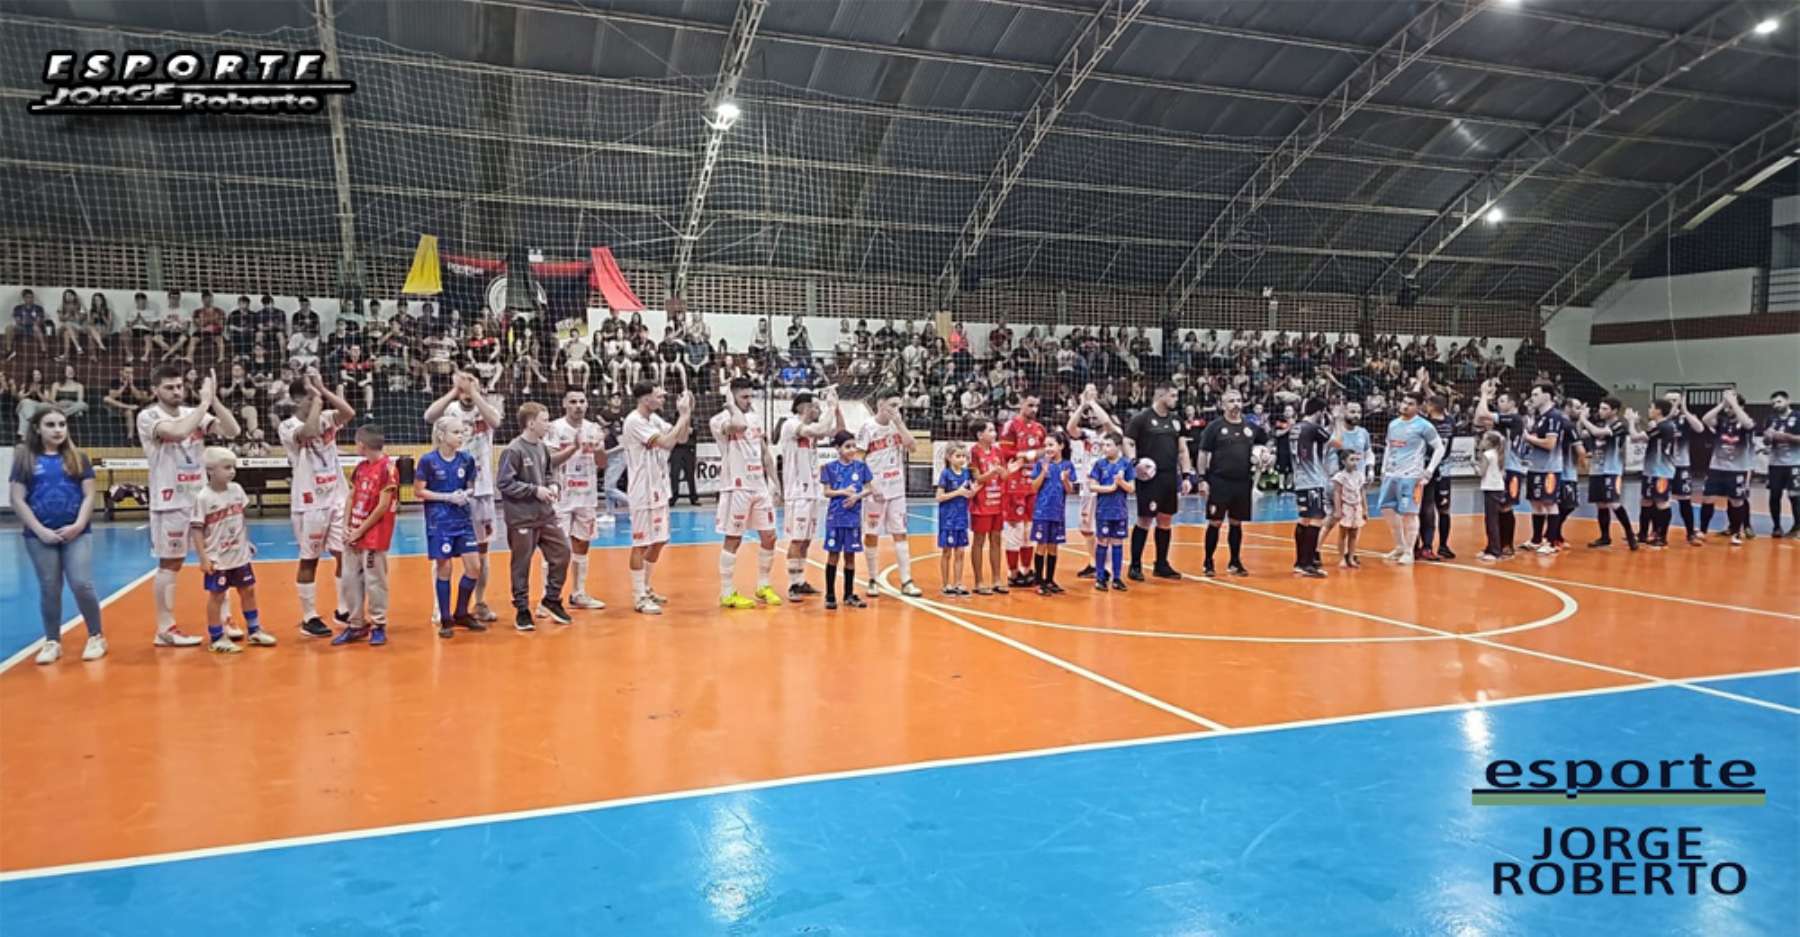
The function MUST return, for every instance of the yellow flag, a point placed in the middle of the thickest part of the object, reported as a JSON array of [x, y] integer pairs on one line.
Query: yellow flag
[[425, 278]]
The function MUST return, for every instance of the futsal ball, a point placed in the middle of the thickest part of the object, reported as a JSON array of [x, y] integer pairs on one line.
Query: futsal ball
[[1146, 470], [1262, 457]]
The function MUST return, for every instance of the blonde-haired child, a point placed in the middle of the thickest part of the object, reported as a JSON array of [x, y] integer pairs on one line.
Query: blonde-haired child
[[223, 543]]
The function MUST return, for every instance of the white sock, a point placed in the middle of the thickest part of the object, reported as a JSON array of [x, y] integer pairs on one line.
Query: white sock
[[870, 555], [640, 582], [164, 592], [903, 554], [579, 562], [765, 561], [309, 594], [649, 570], [727, 568], [479, 598], [796, 570], [225, 607]]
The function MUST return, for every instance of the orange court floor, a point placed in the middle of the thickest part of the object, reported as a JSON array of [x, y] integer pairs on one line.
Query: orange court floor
[[169, 750]]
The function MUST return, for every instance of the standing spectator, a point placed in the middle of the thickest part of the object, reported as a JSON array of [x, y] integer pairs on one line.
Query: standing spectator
[[684, 459], [53, 495], [28, 321], [142, 326]]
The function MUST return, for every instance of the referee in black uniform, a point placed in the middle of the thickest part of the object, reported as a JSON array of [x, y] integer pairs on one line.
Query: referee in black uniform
[[1155, 434], [1226, 480]]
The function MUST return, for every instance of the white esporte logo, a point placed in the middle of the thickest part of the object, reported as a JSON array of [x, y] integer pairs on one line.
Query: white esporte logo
[[137, 82]]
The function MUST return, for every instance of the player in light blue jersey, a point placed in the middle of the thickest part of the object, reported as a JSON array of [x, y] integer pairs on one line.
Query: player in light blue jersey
[[1728, 478], [1782, 434], [1608, 435], [1412, 453]]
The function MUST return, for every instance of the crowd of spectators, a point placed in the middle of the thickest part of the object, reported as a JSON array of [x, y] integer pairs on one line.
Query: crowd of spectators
[[392, 359]]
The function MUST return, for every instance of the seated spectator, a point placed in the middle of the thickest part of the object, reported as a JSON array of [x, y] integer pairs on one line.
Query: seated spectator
[[573, 356], [69, 394], [271, 327], [99, 322], [356, 377], [239, 393], [70, 321], [33, 394], [29, 322], [240, 328], [126, 398], [303, 349], [142, 326], [306, 320], [209, 328]]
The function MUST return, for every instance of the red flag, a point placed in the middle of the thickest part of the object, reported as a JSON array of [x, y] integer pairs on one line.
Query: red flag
[[610, 281]]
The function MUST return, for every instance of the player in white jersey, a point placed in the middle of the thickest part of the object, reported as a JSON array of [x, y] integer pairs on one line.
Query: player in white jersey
[[225, 551], [174, 438], [886, 441], [800, 438], [1088, 425], [648, 439], [317, 495], [466, 402], [578, 485], [746, 502]]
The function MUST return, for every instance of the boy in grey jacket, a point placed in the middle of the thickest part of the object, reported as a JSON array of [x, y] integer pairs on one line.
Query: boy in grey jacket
[[527, 499]]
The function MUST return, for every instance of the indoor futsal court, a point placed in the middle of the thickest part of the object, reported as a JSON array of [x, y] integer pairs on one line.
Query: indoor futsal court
[[900, 467]]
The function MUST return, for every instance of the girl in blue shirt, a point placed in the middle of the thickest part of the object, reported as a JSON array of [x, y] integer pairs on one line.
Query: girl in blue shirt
[[955, 485], [1053, 478], [53, 493]]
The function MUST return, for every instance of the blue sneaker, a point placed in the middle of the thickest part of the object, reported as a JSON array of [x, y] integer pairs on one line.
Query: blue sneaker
[[377, 637], [350, 634]]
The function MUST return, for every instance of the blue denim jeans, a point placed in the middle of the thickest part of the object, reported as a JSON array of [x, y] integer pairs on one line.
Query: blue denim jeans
[[55, 563]]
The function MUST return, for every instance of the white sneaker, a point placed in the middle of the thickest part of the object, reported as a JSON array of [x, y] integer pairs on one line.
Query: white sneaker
[[435, 618], [658, 598], [1405, 559], [234, 632], [224, 646], [909, 589], [96, 648], [583, 600], [260, 638], [1546, 549], [50, 653], [483, 613], [174, 638], [646, 605]]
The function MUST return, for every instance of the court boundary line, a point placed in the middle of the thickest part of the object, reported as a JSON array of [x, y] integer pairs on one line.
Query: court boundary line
[[1570, 607], [1051, 659], [448, 823], [1529, 652]]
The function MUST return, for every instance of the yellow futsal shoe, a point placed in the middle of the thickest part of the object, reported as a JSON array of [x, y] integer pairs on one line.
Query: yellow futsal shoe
[[767, 596], [735, 600]]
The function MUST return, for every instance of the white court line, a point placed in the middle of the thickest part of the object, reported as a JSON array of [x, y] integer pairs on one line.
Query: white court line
[[451, 823], [68, 626], [1569, 608], [1047, 657], [1529, 652]]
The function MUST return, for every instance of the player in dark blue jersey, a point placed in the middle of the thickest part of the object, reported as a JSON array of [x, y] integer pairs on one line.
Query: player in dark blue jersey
[[1658, 475], [1434, 504], [1688, 427], [445, 480], [1728, 477], [845, 482], [1053, 479], [1112, 480], [955, 486]]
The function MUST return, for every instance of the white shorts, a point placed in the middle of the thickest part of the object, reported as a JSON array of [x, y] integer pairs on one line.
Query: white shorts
[[318, 531], [169, 534], [649, 525], [884, 516], [1012, 535], [485, 519], [1087, 514], [741, 511], [804, 519], [577, 521]]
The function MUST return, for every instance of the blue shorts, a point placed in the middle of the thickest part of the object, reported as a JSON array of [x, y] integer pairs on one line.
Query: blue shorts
[[224, 580], [1722, 483], [449, 546], [952, 537], [1112, 529], [1048, 532], [1402, 493], [843, 539]]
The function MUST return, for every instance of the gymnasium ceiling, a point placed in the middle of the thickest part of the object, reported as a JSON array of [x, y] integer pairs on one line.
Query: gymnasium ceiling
[[920, 96]]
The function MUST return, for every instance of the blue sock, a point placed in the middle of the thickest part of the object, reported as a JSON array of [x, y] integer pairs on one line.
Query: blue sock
[[250, 620], [1100, 563], [215, 632], [465, 587], [1118, 559], [443, 599]]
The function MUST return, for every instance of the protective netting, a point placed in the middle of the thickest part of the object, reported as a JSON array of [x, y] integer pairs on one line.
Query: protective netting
[[825, 229]]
